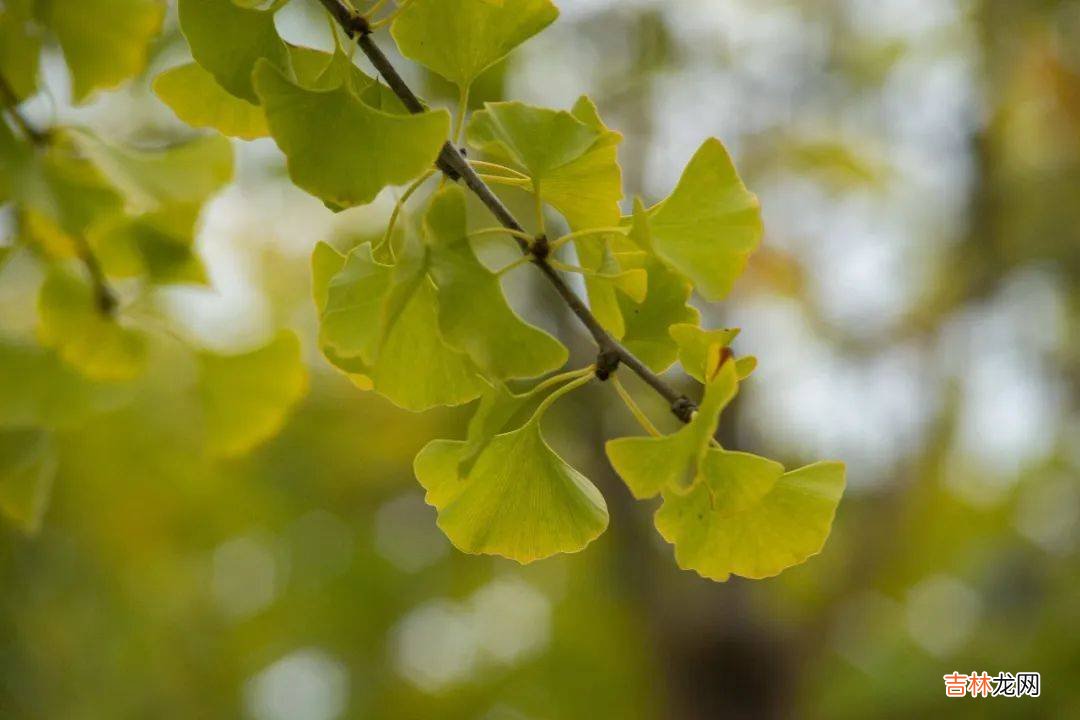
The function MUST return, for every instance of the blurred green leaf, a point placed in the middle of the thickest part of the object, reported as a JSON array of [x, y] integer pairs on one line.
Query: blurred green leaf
[[197, 99], [247, 397], [27, 466], [20, 47]]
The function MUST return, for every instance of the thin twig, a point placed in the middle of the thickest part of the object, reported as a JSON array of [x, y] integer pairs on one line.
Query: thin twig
[[454, 164]]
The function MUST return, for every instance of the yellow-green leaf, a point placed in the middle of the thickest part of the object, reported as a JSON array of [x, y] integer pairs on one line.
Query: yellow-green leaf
[[72, 322], [104, 41], [517, 498], [474, 315], [694, 343], [339, 148], [197, 99], [27, 465], [747, 517], [228, 40], [247, 397], [20, 47], [648, 465], [459, 39], [707, 228]]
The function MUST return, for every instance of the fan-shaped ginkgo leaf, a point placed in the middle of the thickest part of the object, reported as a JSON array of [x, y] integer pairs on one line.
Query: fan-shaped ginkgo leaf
[[707, 228], [72, 322], [340, 149], [517, 499], [459, 39], [228, 40], [747, 517], [247, 397], [474, 315], [648, 465]]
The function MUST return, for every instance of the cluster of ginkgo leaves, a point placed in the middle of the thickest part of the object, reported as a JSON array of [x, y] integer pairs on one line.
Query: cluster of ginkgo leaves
[[417, 316]]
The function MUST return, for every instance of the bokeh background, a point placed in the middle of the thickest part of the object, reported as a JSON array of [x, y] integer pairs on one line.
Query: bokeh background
[[916, 312]]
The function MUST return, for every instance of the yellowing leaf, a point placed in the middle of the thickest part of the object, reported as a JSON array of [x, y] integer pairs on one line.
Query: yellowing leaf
[[707, 228], [228, 40], [104, 41], [648, 465], [459, 39], [72, 322], [197, 99], [747, 517], [339, 148], [517, 499], [27, 466], [247, 397], [694, 344], [474, 315]]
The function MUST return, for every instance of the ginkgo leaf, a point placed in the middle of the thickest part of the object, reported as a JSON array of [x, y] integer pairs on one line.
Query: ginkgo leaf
[[196, 97], [747, 517], [647, 323], [27, 466], [20, 47], [707, 228], [104, 41], [605, 279], [228, 40], [72, 321], [247, 397], [38, 389], [459, 39], [571, 157], [474, 315], [340, 149], [649, 464], [517, 499], [694, 343], [381, 322], [154, 245]]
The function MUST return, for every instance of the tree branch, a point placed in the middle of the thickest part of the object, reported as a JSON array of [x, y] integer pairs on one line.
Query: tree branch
[[454, 165]]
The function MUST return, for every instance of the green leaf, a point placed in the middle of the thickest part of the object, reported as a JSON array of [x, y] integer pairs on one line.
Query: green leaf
[[197, 99], [648, 465], [228, 41], [571, 157], [517, 499], [157, 246], [707, 228], [87, 339], [339, 148], [607, 278], [247, 397], [381, 322], [20, 47], [459, 39], [647, 323], [747, 517], [474, 315], [37, 389], [27, 466], [104, 41]]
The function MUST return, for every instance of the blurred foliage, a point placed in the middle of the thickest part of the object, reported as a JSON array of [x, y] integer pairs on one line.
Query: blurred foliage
[[307, 579]]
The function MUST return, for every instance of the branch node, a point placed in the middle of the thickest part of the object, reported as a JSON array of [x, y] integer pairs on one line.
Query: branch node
[[683, 408], [607, 362], [540, 248]]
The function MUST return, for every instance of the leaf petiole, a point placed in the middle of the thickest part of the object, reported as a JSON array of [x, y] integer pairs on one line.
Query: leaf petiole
[[399, 205], [564, 390], [579, 234], [634, 408]]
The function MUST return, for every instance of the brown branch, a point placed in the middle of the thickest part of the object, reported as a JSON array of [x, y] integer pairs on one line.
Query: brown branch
[[453, 164]]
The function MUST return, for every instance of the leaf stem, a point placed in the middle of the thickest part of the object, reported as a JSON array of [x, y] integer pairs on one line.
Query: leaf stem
[[634, 408], [579, 234], [399, 205], [485, 165], [523, 260], [501, 180], [392, 16], [564, 390], [561, 378], [462, 110], [519, 234], [103, 292]]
